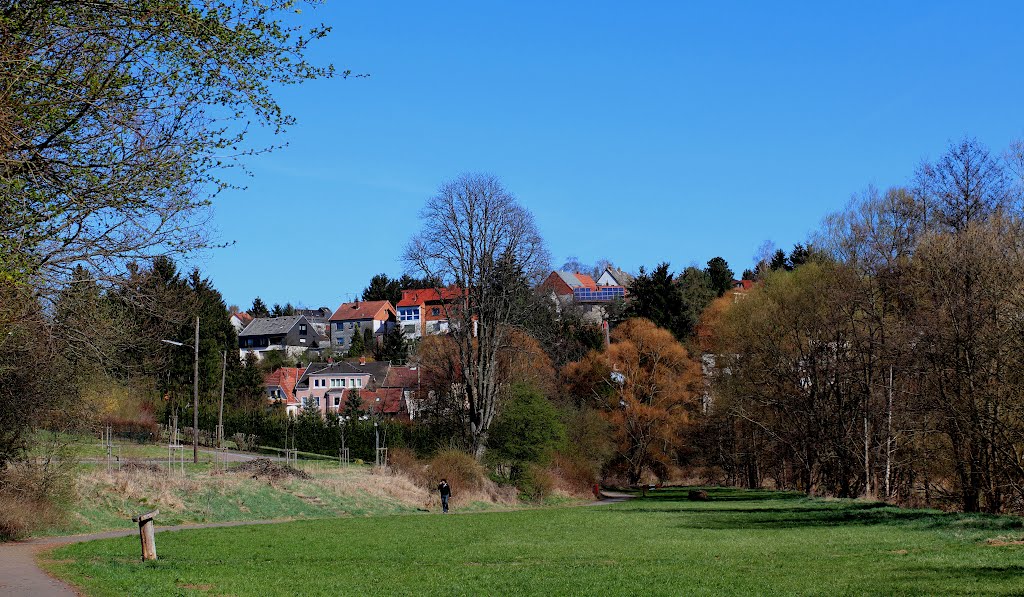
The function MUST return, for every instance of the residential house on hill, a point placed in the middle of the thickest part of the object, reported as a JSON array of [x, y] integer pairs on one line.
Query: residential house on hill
[[614, 276], [357, 316], [239, 320], [581, 289], [383, 389], [293, 334], [319, 318], [423, 312], [280, 387]]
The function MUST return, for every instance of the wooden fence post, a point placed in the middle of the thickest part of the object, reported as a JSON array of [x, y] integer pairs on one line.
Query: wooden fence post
[[146, 534]]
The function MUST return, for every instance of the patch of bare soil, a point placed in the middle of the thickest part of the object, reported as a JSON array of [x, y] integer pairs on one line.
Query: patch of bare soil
[[266, 469]]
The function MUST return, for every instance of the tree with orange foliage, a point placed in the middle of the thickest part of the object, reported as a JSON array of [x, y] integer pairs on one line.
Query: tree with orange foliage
[[652, 388]]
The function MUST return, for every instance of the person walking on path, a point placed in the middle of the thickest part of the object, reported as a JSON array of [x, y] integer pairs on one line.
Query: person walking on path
[[446, 492]]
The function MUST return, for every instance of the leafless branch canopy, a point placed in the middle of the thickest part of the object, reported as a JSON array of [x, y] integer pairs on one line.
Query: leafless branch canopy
[[485, 250]]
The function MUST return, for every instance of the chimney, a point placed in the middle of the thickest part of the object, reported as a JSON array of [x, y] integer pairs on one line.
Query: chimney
[[362, 360]]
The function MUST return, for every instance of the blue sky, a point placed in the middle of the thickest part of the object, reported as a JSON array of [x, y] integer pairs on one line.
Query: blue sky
[[637, 132]]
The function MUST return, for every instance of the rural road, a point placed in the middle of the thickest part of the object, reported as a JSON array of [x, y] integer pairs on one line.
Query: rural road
[[20, 576]]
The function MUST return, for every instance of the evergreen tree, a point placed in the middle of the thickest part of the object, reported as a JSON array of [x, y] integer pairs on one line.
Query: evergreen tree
[[259, 308], [748, 274], [393, 347], [719, 274], [799, 255], [353, 406], [358, 347], [779, 261], [383, 288], [673, 303]]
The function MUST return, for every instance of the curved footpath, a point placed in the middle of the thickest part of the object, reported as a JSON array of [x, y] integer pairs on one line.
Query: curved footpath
[[20, 576]]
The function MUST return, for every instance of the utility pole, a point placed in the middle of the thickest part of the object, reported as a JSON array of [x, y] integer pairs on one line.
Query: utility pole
[[220, 416], [195, 398]]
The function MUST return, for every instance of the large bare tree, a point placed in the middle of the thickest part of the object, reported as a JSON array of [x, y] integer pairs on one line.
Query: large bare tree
[[485, 250]]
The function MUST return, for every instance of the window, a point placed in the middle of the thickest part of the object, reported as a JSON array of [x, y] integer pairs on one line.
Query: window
[[339, 325], [341, 341], [338, 383], [409, 314], [302, 329], [358, 382], [248, 341], [435, 311], [337, 401]]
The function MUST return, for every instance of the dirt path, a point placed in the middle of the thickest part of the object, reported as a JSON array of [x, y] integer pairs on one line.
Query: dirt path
[[20, 576], [610, 497]]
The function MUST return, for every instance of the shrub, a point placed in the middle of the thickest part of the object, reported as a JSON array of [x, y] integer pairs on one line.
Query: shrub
[[528, 429], [574, 474], [461, 470], [246, 442], [404, 461], [33, 496], [536, 482]]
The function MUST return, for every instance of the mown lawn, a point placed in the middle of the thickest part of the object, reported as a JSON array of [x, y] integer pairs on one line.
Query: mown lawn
[[742, 543]]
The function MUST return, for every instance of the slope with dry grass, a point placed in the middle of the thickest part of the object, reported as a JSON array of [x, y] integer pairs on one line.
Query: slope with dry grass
[[107, 500]]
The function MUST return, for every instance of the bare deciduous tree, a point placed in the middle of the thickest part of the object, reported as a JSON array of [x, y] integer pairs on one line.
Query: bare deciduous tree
[[486, 251]]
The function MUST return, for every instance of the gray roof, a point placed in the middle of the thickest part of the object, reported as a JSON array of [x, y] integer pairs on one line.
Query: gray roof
[[377, 370], [570, 279], [271, 326], [622, 277]]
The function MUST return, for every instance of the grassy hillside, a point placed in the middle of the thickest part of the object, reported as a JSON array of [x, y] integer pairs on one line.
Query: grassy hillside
[[107, 500], [739, 543]]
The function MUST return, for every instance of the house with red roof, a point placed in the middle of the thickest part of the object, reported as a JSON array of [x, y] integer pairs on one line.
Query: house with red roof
[[239, 320], [583, 291], [425, 311], [383, 389], [358, 316], [280, 387]]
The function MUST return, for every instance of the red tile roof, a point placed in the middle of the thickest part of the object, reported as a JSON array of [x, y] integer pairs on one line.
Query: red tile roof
[[401, 377], [362, 310], [419, 296], [383, 400], [586, 280], [284, 378], [244, 317]]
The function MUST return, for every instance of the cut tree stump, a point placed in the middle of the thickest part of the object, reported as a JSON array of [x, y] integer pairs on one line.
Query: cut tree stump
[[147, 534]]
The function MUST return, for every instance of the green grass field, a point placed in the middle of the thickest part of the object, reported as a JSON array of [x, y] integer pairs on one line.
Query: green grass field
[[741, 543]]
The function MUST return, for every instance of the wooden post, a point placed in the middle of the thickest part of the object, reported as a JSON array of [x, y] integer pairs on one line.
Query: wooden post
[[146, 534]]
